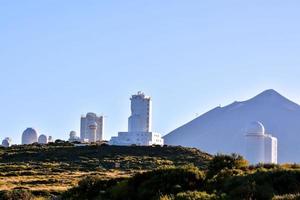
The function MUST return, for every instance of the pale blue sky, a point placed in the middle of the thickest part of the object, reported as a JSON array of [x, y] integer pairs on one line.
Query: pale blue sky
[[60, 59]]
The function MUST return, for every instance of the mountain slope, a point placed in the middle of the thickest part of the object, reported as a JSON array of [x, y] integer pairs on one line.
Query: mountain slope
[[223, 128]]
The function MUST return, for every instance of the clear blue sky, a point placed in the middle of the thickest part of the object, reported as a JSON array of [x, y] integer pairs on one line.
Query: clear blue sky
[[60, 59]]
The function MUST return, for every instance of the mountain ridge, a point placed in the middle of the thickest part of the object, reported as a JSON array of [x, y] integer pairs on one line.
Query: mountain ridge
[[222, 129]]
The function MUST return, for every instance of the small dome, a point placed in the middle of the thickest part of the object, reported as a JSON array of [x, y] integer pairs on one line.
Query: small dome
[[6, 142], [256, 128], [73, 134], [43, 139], [29, 136]]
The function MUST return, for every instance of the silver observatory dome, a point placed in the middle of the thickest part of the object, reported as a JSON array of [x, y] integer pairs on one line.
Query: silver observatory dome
[[29, 136], [256, 128], [43, 139], [6, 142]]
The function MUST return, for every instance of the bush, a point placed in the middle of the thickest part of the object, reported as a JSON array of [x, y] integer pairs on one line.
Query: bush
[[221, 162], [162, 181], [16, 195], [90, 187]]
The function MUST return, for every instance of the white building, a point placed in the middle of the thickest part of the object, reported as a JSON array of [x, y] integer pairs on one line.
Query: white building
[[86, 133], [6, 142], [42, 139], [260, 147], [73, 137], [29, 136], [141, 114], [139, 124], [270, 149]]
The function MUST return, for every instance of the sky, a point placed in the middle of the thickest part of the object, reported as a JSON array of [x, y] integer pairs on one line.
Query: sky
[[61, 59]]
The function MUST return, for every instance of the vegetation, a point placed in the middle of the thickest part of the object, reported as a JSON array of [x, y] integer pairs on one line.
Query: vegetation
[[227, 177], [49, 170], [63, 171]]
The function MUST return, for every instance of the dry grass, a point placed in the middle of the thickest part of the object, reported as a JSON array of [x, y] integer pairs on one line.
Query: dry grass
[[46, 180]]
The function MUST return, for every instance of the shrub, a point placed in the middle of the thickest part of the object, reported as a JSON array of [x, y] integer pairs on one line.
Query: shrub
[[220, 162], [164, 181], [16, 195]]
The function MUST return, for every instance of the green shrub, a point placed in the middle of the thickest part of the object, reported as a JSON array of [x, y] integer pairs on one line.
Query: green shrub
[[152, 184], [221, 162]]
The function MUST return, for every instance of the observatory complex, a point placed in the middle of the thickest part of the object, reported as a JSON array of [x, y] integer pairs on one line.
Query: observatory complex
[[30, 136], [260, 147], [91, 128], [139, 124]]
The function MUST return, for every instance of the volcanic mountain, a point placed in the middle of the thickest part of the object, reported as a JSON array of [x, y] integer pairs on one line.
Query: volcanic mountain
[[223, 129]]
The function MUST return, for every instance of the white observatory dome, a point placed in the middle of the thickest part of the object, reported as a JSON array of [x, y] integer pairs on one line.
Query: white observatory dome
[[73, 134], [91, 115], [6, 142], [256, 128], [29, 136], [43, 139]]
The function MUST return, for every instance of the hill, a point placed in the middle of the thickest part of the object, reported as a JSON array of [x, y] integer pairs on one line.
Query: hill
[[223, 128], [56, 167]]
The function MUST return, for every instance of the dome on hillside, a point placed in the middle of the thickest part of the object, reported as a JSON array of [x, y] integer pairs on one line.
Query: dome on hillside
[[43, 139], [6, 142], [29, 136], [256, 128], [74, 137], [73, 134]]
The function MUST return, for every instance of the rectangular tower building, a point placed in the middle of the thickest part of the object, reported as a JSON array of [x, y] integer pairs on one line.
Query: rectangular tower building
[[86, 133], [141, 113]]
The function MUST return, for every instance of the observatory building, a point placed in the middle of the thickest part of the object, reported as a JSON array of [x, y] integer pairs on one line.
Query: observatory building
[[42, 139], [29, 136], [91, 128], [50, 139], [260, 147], [73, 137], [6, 142], [139, 124]]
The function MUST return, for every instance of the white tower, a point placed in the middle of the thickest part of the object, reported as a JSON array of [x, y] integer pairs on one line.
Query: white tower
[[139, 125], [270, 149], [93, 132], [29, 136], [141, 113], [42, 139], [50, 139], [255, 143], [84, 127]]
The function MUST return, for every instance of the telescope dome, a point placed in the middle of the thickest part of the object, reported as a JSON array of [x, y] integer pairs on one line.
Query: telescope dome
[[256, 128], [29, 136]]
